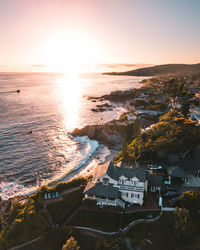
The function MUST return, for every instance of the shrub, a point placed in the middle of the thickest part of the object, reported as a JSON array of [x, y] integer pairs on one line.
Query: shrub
[[191, 200], [89, 203]]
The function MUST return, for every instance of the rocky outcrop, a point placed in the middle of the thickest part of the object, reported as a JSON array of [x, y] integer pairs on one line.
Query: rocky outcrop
[[103, 107], [102, 133]]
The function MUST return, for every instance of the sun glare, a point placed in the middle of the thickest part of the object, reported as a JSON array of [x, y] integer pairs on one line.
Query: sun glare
[[71, 52], [70, 88]]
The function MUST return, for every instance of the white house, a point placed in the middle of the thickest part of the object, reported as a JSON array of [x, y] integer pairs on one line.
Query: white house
[[114, 185]]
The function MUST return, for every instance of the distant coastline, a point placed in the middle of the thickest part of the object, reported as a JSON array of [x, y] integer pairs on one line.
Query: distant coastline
[[160, 70]]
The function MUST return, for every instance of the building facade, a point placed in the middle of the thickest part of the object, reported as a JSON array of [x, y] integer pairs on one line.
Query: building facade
[[117, 186]]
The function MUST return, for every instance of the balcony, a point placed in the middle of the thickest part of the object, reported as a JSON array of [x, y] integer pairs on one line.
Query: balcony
[[131, 188]]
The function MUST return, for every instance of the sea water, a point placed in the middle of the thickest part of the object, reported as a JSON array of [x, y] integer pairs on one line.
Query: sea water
[[35, 125]]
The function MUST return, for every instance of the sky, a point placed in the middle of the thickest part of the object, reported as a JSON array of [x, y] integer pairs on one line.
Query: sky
[[59, 35]]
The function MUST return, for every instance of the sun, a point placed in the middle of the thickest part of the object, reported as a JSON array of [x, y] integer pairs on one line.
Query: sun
[[70, 52]]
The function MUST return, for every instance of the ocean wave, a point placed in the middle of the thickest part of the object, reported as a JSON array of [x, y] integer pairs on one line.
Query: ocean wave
[[99, 158], [10, 189], [92, 145]]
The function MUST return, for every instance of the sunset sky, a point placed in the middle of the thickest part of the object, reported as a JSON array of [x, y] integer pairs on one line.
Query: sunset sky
[[59, 35]]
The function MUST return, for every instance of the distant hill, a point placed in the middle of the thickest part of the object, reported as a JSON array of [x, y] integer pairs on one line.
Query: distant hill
[[161, 70]]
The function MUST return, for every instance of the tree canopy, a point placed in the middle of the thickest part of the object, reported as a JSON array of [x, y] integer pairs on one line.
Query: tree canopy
[[173, 133], [182, 223], [191, 200], [71, 244]]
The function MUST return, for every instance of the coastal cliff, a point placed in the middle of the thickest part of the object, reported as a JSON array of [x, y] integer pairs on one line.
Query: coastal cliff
[[103, 133]]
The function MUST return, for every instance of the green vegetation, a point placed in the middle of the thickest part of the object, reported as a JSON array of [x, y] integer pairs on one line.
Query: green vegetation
[[176, 88], [167, 232], [101, 220], [109, 221], [128, 218], [151, 104], [71, 244], [61, 210], [56, 238], [173, 133], [182, 224], [191, 200], [159, 233], [24, 222], [30, 220], [89, 203], [111, 244], [62, 186], [123, 117]]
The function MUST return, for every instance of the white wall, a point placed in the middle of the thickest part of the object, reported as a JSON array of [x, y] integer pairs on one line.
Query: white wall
[[132, 196], [133, 182]]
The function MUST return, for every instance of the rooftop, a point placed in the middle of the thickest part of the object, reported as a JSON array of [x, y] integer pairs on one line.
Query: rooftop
[[176, 172], [116, 172], [103, 190], [155, 180]]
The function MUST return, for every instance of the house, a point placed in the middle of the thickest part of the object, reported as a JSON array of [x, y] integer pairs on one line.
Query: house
[[176, 175], [113, 185], [155, 182]]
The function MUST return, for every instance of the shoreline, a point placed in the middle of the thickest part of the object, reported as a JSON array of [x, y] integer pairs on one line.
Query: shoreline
[[90, 166], [97, 159]]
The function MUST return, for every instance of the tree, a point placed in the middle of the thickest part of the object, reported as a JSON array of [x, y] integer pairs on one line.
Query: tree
[[191, 200], [71, 244], [182, 224], [185, 109], [124, 149], [132, 131]]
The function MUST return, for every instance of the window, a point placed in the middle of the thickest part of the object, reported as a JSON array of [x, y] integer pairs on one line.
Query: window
[[105, 181], [136, 196], [121, 181], [127, 194], [135, 183]]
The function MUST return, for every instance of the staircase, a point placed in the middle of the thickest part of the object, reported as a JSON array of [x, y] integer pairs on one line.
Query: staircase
[[120, 203]]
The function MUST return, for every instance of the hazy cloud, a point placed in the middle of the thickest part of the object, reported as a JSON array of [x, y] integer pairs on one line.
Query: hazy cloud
[[139, 65], [3, 66]]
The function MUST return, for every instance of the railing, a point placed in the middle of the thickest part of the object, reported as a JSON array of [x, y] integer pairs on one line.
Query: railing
[[120, 203], [106, 201], [131, 188]]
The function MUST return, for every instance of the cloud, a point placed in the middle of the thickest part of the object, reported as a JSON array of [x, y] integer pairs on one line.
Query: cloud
[[3, 66], [126, 65]]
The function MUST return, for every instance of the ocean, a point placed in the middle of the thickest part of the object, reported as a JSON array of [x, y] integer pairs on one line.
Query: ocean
[[35, 126]]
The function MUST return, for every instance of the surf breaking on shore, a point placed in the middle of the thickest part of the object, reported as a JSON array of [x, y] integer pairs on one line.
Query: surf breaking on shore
[[96, 154]]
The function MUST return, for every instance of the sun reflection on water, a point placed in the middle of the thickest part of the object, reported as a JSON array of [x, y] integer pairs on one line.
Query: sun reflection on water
[[70, 88]]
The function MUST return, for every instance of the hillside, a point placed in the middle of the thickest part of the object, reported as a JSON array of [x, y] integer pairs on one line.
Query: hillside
[[173, 133], [161, 70]]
